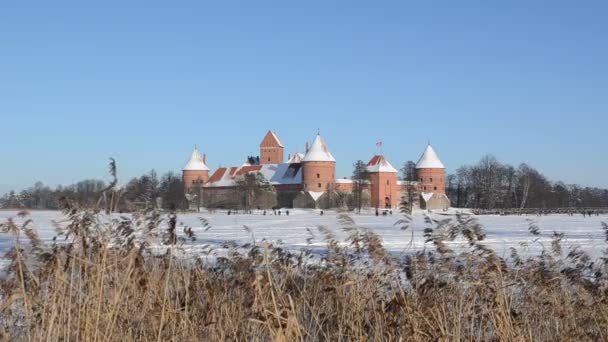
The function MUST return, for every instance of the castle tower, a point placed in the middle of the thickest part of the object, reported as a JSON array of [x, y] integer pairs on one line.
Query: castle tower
[[271, 149], [318, 167], [195, 171], [431, 172], [384, 191]]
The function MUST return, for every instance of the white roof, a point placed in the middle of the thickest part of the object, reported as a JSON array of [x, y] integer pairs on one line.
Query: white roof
[[318, 152], [344, 181], [296, 158], [316, 194], [275, 174], [402, 182], [427, 196], [380, 164], [196, 162], [429, 160]]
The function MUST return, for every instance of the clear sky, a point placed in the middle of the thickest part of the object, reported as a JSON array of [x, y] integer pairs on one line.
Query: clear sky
[[143, 81]]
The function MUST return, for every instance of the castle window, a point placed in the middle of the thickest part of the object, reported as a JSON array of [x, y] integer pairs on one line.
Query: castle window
[[421, 179], [435, 188], [431, 179], [425, 188], [319, 185], [318, 175], [387, 182], [268, 158]]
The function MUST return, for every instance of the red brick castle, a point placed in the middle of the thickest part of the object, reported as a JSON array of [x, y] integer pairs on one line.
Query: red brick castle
[[309, 180]]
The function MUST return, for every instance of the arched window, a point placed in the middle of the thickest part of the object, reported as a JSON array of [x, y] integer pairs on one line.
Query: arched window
[[318, 175], [431, 180], [387, 183], [435, 188], [319, 185], [421, 179], [425, 188]]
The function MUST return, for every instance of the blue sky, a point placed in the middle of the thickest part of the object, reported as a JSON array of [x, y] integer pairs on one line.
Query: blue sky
[[143, 81]]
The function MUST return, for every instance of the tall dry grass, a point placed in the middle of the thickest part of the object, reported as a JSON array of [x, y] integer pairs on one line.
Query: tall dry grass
[[105, 279]]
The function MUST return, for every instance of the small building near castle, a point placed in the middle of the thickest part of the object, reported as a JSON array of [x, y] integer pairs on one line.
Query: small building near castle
[[309, 180]]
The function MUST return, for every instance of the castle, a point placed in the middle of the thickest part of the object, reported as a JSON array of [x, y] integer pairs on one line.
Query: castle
[[309, 180]]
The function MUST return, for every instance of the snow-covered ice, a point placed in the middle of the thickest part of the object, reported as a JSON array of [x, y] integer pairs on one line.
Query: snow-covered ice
[[502, 232]]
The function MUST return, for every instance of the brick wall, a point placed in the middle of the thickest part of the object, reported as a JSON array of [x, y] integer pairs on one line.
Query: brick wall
[[384, 190], [431, 180], [189, 177], [318, 176]]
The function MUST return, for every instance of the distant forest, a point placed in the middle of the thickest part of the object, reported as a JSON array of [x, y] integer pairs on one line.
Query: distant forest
[[489, 184]]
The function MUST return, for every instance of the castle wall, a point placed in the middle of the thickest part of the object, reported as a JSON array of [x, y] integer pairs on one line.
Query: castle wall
[[271, 155], [431, 180], [318, 176], [384, 190], [345, 187], [190, 177], [438, 201]]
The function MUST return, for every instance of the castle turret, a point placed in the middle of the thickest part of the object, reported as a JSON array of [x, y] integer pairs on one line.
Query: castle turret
[[195, 171], [384, 191], [318, 167], [431, 172], [271, 149]]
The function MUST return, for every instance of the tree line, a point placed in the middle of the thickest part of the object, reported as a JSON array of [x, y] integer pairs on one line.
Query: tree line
[[489, 184], [148, 190]]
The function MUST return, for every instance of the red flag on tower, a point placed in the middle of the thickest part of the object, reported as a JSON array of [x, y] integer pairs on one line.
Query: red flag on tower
[[379, 144]]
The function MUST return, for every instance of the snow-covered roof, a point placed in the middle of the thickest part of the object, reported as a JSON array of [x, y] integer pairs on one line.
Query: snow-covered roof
[[380, 164], [196, 162], [271, 139], [429, 160], [276, 174], [276, 137], [316, 194], [427, 196], [296, 158], [318, 151], [403, 182], [344, 181]]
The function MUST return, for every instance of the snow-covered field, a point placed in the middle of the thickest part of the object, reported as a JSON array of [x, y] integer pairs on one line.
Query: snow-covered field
[[502, 232]]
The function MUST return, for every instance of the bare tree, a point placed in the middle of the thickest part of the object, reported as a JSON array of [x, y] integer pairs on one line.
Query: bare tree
[[252, 186], [408, 174], [360, 178]]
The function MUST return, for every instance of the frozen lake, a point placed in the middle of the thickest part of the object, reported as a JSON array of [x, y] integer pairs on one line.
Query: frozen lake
[[502, 232]]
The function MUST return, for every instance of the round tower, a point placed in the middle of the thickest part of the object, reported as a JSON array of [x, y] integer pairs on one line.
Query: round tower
[[431, 172], [318, 167], [195, 171]]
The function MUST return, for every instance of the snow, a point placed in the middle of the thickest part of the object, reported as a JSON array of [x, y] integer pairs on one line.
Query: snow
[[282, 174], [402, 182], [196, 162], [276, 174], [318, 151], [429, 160], [296, 158], [503, 232], [427, 196], [316, 194], [344, 181], [380, 164], [276, 137], [225, 180]]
